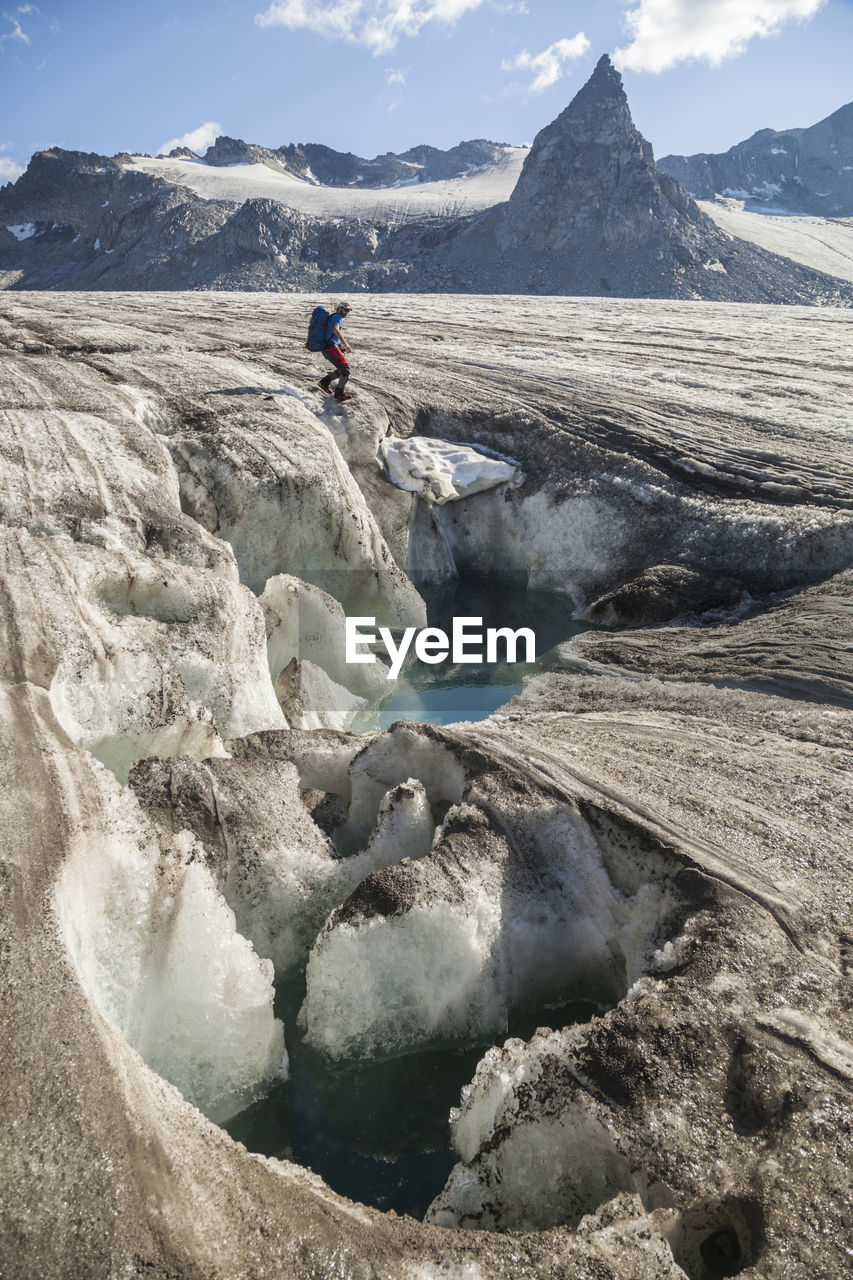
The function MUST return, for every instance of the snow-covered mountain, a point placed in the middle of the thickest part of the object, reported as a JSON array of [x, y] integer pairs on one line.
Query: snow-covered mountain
[[826, 244], [584, 211], [793, 171], [418, 196], [323, 165]]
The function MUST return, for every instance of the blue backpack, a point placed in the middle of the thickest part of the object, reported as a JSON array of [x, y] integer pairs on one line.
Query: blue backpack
[[318, 330]]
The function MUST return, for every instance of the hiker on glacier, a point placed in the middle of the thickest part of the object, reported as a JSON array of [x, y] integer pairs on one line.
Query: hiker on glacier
[[334, 352]]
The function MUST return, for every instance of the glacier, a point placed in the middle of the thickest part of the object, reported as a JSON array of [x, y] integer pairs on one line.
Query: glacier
[[658, 825]]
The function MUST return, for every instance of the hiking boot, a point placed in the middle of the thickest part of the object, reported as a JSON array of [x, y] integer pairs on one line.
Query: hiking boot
[[343, 395], [324, 386]]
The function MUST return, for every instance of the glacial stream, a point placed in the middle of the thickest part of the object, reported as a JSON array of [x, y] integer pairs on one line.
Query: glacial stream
[[378, 1131]]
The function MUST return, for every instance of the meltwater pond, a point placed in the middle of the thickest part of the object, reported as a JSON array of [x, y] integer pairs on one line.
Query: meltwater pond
[[376, 1132], [446, 693]]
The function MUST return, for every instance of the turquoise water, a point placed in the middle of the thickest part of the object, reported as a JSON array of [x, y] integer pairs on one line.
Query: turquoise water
[[445, 693]]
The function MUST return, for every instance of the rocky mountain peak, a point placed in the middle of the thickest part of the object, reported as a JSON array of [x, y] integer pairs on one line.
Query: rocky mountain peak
[[598, 113], [605, 82], [591, 214], [591, 171], [793, 170], [227, 150]]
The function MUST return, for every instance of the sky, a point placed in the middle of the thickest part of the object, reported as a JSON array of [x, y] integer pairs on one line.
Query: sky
[[371, 76]]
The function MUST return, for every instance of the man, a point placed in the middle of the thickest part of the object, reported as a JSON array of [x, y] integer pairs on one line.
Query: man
[[334, 353]]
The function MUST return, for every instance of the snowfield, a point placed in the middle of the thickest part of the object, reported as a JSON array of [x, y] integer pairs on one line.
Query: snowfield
[[455, 197], [826, 244]]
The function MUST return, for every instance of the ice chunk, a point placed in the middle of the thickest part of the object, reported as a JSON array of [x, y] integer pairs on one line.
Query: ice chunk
[[158, 952], [405, 827], [512, 908], [312, 700], [377, 988], [395, 757], [303, 621], [273, 863], [551, 1167], [209, 1026], [441, 472]]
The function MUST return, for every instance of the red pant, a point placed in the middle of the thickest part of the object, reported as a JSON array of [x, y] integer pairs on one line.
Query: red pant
[[336, 357]]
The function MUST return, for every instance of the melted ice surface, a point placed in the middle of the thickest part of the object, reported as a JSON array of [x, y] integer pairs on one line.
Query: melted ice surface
[[448, 693]]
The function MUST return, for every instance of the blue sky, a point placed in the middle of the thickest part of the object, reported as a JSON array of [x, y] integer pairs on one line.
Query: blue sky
[[377, 75]]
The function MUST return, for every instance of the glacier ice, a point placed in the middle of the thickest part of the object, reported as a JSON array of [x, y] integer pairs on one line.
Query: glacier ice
[[274, 865], [304, 621], [287, 502], [674, 841], [413, 958], [311, 700], [179, 662], [158, 953], [384, 762]]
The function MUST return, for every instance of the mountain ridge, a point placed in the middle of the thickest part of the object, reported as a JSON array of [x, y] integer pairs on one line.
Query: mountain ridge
[[590, 214], [803, 170], [315, 162]]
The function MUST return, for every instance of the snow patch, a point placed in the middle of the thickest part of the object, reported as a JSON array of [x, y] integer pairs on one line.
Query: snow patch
[[441, 472], [825, 244], [23, 230]]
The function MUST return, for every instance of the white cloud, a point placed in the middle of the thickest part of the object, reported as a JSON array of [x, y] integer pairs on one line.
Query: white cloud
[[9, 170], [397, 80], [377, 23], [549, 65], [664, 32], [197, 140], [17, 33]]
